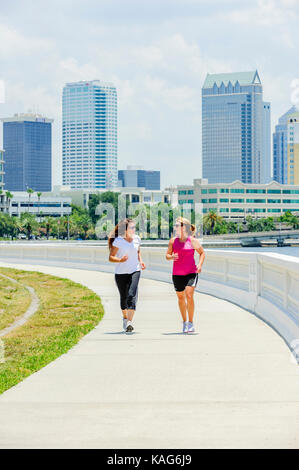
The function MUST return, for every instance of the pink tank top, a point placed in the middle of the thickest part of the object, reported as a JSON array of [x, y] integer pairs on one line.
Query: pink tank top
[[185, 264]]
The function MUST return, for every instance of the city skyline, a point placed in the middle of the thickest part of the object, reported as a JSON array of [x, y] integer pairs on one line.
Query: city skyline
[[157, 57]]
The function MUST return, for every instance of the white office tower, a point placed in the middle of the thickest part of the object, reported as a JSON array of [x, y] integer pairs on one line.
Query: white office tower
[[89, 135]]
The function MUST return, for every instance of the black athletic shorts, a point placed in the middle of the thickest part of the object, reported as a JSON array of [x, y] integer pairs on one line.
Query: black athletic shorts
[[181, 282]]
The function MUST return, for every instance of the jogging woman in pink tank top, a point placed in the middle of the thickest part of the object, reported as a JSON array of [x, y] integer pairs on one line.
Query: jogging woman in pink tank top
[[181, 250]]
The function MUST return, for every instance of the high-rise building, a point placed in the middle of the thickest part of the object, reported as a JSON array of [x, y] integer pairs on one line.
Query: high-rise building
[[1, 170], [266, 140], [280, 148], [27, 141], [293, 148], [89, 135], [3, 205], [137, 177], [232, 128]]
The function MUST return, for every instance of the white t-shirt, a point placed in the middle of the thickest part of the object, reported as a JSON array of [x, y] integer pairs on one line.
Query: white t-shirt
[[131, 250]]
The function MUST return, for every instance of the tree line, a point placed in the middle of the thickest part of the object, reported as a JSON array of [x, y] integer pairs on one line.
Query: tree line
[[85, 224]]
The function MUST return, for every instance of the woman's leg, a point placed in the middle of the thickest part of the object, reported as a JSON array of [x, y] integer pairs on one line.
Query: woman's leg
[[122, 285], [189, 291], [182, 304], [132, 294]]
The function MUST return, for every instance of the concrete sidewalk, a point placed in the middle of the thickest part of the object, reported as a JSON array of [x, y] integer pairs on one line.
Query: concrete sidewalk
[[231, 385]]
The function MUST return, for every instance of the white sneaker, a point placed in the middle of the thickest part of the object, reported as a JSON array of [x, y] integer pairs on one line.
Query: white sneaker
[[129, 328], [125, 320], [185, 327], [191, 328]]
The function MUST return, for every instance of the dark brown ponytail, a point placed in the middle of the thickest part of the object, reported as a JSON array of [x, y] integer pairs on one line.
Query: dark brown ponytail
[[119, 230]]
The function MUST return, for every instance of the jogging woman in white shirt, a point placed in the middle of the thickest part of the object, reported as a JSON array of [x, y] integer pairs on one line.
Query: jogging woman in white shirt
[[124, 246]]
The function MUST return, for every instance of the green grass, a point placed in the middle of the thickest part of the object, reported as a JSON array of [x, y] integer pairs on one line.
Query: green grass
[[66, 313], [14, 301]]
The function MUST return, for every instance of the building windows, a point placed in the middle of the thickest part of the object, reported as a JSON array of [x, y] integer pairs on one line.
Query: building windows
[[256, 201], [255, 191]]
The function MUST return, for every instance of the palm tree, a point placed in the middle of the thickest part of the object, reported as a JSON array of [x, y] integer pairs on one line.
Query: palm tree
[[49, 225], [28, 224], [38, 197], [211, 220], [30, 192], [9, 197]]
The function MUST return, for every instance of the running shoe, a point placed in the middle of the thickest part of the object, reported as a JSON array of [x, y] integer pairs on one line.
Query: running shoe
[[191, 328], [185, 327], [129, 328], [125, 321]]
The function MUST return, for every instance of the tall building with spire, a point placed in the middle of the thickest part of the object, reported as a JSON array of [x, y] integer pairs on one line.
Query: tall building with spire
[[89, 135], [235, 129]]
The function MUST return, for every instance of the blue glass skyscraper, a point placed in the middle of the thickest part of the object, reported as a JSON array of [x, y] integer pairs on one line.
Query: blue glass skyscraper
[[89, 135], [139, 178], [1, 170], [280, 148], [232, 128], [27, 141]]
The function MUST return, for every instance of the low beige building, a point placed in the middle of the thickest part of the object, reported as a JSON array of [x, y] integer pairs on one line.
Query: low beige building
[[81, 197], [237, 200]]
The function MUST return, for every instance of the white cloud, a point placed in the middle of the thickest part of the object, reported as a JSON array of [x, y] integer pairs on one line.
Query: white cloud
[[265, 13], [176, 98], [14, 43]]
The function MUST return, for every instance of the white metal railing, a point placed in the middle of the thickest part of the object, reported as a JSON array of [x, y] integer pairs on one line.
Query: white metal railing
[[265, 284]]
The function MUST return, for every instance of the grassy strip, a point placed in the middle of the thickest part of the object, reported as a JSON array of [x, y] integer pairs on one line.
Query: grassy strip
[[66, 313], [14, 301]]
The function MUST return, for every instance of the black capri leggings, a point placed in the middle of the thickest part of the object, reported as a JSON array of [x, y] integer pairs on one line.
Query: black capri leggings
[[128, 288]]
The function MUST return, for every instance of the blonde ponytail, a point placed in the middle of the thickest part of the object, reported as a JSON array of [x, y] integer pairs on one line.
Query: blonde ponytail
[[190, 228]]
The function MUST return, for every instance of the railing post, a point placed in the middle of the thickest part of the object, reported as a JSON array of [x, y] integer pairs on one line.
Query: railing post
[[253, 274], [285, 289], [226, 270]]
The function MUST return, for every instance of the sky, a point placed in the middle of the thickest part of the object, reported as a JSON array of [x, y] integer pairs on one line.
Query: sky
[[157, 53]]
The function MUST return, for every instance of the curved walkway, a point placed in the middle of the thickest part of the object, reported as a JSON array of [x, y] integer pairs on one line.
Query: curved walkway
[[231, 385], [29, 312]]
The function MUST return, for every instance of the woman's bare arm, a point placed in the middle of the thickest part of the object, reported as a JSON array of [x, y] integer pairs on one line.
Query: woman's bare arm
[[170, 255], [113, 258], [142, 264], [197, 247]]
